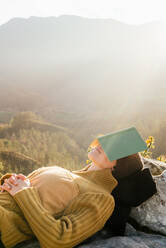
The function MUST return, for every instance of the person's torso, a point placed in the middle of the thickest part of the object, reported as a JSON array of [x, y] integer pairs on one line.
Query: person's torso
[[56, 187]]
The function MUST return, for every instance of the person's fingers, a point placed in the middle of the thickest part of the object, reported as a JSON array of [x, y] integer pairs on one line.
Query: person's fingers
[[1, 189], [6, 186], [13, 180], [7, 182], [21, 176]]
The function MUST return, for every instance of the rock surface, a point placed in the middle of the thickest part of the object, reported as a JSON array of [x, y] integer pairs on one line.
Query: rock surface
[[152, 213], [132, 239], [156, 167]]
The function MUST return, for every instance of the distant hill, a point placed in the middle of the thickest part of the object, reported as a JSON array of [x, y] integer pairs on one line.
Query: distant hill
[[28, 120], [81, 64], [42, 126]]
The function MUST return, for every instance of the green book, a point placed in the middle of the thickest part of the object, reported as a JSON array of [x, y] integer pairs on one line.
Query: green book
[[121, 143]]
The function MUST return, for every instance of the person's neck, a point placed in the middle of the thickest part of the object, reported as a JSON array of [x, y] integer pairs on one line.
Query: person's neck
[[99, 176]]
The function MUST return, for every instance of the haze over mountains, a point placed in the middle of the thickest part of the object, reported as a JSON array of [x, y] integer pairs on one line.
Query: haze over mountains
[[84, 64]]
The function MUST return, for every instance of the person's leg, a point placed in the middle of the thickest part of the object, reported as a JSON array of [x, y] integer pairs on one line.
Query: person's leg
[[1, 244], [116, 224]]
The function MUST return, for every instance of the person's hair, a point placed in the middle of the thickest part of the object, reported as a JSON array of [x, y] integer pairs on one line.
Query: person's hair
[[128, 165]]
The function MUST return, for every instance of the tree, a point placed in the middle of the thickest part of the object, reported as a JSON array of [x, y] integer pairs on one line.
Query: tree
[[20, 119]]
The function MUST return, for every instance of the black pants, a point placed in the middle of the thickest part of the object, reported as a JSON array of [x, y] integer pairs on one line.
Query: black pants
[[1, 244]]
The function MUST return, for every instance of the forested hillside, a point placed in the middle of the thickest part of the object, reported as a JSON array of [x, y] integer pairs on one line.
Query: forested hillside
[[28, 142]]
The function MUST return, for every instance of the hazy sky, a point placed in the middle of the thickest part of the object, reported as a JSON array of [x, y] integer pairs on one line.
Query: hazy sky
[[129, 11]]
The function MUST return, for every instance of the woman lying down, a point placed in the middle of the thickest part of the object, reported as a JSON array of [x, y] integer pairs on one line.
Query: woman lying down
[[63, 208]]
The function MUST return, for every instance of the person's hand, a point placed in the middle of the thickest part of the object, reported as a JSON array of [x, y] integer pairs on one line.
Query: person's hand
[[15, 183]]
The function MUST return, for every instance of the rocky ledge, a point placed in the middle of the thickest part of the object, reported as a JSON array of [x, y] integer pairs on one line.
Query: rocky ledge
[[148, 226]]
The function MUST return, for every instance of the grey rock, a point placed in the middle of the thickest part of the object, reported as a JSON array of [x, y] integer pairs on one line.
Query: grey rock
[[132, 239], [32, 244], [152, 213], [156, 167]]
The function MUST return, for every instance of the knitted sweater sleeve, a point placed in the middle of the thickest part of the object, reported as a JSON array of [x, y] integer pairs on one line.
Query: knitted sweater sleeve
[[85, 215]]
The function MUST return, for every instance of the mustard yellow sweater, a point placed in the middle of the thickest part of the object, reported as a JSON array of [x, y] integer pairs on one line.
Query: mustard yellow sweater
[[31, 212]]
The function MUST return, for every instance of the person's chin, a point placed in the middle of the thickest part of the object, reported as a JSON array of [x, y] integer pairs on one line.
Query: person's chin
[[90, 155], [95, 162]]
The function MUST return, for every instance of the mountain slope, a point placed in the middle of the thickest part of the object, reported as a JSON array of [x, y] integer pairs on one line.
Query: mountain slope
[[69, 59]]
